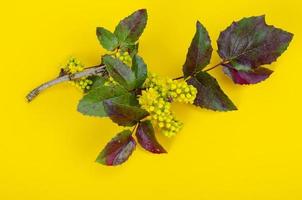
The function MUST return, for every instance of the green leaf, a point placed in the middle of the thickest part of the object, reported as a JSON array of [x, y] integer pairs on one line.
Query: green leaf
[[124, 114], [132, 49], [120, 72], [92, 103], [130, 29], [118, 150], [250, 42], [199, 53], [209, 94], [146, 138], [140, 70], [107, 39], [127, 99]]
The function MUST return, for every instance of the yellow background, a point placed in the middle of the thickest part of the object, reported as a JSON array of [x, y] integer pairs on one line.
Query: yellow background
[[47, 148]]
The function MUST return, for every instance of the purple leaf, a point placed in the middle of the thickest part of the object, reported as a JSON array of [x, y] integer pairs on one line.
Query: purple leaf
[[247, 77], [209, 94], [130, 29], [199, 52], [250, 43], [146, 138], [118, 149]]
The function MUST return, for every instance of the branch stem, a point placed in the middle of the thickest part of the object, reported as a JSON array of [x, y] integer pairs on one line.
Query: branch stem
[[213, 67], [181, 77], [217, 65], [95, 70], [135, 127]]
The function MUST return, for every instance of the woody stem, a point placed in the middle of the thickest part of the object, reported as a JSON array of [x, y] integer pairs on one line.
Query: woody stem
[[94, 70]]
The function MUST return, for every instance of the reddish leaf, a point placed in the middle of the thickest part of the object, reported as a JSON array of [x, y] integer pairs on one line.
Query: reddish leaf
[[118, 149], [123, 114], [130, 29], [146, 138], [247, 77], [209, 94], [199, 52], [250, 42]]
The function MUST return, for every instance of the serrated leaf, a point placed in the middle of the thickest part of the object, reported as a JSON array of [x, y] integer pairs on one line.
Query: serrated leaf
[[120, 72], [124, 114], [130, 29], [247, 77], [209, 94], [107, 39], [118, 149], [146, 138], [140, 70], [199, 52], [250, 42], [92, 103]]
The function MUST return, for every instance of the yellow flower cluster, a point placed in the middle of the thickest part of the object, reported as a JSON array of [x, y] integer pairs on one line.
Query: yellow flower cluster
[[110, 81], [157, 98], [82, 83], [124, 57], [74, 66], [159, 110], [173, 90]]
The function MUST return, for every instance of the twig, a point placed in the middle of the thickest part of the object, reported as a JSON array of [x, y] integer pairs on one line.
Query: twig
[[222, 62], [213, 67], [95, 70], [178, 78], [135, 127]]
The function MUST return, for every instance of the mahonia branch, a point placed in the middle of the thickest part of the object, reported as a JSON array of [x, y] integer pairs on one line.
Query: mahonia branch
[[243, 47], [95, 70]]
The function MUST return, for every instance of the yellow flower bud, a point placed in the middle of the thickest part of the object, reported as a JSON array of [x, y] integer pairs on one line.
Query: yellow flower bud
[[173, 87], [168, 125], [151, 108]]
